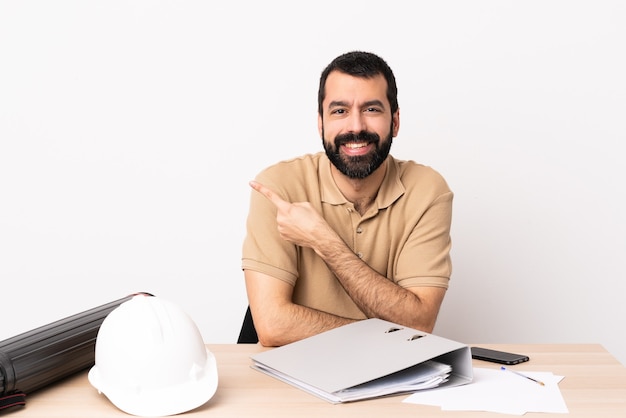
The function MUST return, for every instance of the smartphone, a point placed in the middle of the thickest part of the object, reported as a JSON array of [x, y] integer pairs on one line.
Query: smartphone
[[496, 356]]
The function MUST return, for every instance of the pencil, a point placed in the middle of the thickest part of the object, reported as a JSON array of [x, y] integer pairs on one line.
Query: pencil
[[523, 375]]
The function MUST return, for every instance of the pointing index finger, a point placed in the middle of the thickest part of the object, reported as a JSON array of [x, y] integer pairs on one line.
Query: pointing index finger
[[268, 193]]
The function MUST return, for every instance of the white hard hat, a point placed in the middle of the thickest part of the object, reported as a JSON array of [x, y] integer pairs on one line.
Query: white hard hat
[[150, 359]]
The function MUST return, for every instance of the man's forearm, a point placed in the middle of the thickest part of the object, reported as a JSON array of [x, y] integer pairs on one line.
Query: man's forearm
[[294, 322], [374, 294]]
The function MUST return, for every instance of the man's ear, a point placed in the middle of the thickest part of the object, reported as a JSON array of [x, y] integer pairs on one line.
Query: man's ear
[[395, 123], [320, 125]]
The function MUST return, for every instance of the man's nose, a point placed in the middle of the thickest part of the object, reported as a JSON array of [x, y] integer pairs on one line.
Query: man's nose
[[356, 122]]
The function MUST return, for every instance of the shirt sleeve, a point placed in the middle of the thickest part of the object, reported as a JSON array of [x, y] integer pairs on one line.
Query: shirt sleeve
[[425, 258], [263, 248]]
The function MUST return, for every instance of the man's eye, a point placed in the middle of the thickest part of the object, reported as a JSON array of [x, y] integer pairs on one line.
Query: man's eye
[[338, 111], [372, 109]]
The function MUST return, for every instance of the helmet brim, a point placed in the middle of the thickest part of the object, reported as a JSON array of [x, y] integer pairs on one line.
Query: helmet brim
[[171, 400]]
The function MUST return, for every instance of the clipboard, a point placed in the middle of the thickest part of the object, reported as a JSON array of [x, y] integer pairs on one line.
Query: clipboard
[[368, 359]]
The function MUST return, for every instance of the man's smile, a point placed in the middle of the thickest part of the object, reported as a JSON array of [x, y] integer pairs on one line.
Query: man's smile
[[357, 148]]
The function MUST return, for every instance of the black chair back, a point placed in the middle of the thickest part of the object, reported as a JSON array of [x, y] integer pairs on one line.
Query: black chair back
[[248, 334]]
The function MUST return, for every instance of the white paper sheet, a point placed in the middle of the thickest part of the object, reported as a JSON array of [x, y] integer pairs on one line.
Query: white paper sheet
[[425, 375], [500, 391]]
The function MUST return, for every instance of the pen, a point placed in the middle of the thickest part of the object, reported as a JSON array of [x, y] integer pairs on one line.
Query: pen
[[523, 375]]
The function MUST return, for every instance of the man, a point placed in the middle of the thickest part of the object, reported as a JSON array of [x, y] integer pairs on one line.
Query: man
[[351, 233]]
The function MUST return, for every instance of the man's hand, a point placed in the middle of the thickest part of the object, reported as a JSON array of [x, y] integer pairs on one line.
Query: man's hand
[[298, 223]]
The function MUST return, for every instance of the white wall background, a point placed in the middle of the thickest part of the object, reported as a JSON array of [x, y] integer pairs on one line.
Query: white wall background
[[129, 131]]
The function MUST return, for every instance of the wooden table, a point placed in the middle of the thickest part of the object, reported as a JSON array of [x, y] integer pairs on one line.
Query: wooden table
[[594, 386]]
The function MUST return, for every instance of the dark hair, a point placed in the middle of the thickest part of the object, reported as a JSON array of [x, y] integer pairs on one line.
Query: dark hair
[[360, 64]]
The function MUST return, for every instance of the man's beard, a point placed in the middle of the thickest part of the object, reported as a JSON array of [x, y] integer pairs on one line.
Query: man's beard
[[358, 167]]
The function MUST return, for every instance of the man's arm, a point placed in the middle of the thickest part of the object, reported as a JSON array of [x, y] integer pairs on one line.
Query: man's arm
[[375, 295], [279, 321]]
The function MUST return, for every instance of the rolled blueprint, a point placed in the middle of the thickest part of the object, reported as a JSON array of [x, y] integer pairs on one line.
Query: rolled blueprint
[[44, 355]]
